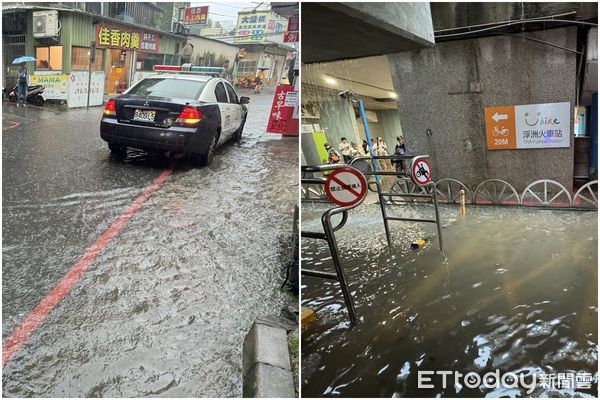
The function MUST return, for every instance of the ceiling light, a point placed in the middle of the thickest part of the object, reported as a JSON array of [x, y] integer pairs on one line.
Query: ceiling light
[[330, 81]]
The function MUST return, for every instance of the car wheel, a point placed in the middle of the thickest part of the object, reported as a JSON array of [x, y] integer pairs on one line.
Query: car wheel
[[206, 158]]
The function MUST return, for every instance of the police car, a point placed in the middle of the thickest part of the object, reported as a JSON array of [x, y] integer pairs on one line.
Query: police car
[[182, 110]]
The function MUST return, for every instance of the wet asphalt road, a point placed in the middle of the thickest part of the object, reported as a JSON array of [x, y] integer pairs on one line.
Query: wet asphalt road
[[164, 309]]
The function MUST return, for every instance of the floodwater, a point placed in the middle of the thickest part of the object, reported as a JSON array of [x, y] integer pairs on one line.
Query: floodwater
[[164, 310], [517, 292]]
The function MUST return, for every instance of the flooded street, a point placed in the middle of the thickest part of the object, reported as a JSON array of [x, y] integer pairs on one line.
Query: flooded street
[[518, 293], [163, 310]]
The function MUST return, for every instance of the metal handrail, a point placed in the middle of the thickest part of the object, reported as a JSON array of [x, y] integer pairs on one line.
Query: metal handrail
[[382, 202], [329, 234]]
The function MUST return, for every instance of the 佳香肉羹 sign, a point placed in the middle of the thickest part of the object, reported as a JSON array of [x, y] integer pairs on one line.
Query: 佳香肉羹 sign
[[118, 37], [531, 126]]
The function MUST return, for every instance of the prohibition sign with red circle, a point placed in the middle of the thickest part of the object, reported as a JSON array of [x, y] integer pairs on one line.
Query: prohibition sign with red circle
[[421, 172], [346, 187]]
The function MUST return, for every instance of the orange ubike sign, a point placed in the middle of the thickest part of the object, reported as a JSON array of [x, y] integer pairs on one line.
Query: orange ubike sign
[[500, 128]]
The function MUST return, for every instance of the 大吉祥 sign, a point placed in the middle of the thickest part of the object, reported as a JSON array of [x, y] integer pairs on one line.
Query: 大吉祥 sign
[[118, 37]]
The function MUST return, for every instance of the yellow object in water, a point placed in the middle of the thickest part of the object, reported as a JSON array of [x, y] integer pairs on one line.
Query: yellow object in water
[[463, 208], [307, 316], [419, 244]]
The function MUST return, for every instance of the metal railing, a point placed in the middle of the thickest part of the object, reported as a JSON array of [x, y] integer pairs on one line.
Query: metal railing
[[426, 194], [329, 230]]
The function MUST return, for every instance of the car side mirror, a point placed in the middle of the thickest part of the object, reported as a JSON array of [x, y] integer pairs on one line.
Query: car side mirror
[[244, 100]]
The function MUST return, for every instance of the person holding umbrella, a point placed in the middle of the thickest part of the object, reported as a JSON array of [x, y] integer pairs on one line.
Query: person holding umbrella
[[23, 84], [22, 78], [259, 79]]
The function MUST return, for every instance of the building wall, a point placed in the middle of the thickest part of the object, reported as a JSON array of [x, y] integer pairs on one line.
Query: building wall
[[221, 53], [337, 119], [447, 15], [76, 30], [434, 92]]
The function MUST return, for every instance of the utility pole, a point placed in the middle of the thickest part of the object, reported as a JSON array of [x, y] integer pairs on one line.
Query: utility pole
[[92, 60]]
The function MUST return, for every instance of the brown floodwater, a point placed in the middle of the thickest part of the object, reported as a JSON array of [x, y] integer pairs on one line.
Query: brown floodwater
[[516, 291]]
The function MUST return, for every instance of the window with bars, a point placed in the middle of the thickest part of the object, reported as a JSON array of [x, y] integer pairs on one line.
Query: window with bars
[[247, 68]]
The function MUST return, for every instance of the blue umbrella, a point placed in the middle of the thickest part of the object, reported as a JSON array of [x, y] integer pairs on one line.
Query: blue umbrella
[[20, 60]]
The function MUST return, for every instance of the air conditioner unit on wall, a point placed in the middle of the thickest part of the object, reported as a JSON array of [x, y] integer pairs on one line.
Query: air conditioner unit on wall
[[45, 23]]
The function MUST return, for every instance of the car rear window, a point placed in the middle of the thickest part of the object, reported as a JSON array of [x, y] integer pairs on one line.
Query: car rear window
[[169, 87]]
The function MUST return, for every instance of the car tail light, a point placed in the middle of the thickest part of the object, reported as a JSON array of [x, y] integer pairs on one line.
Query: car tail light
[[189, 116], [110, 109]]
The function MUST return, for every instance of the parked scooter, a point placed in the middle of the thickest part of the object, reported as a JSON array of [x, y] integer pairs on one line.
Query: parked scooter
[[246, 83], [34, 95]]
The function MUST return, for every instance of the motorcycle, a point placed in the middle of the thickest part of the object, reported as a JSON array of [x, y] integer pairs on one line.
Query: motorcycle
[[34, 94], [246, 83]]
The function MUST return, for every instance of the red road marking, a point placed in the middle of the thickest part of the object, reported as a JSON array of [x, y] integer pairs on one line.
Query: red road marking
[[14, 125], [343, 185], [20, 335]]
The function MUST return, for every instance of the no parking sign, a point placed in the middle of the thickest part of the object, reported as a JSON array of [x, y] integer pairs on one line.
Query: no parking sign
[[346, 187], [420, 171]]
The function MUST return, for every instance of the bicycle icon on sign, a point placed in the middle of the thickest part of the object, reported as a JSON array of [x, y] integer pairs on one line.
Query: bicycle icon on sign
[[497, 131]]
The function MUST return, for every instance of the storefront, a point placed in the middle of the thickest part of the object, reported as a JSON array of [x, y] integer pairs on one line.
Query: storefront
[[272, 58], [127, 49], [121, 50]]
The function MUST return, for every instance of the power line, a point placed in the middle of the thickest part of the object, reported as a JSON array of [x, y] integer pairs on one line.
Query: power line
[[222, 15], [512, 24], [225, 5]]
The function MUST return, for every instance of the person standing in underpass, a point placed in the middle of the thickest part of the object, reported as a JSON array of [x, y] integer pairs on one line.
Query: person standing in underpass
[[381, 149], [346, 150], [334, 157], [400, 150]]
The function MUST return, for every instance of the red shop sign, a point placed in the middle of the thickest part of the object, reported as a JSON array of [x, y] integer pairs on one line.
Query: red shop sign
[[290, 37], [284, 112], [195, 15]]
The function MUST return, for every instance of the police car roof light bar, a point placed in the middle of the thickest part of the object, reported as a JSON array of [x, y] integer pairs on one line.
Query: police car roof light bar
[[189, 69]]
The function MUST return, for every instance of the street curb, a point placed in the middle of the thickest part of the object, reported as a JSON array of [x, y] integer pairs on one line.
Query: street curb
[[266, 363]]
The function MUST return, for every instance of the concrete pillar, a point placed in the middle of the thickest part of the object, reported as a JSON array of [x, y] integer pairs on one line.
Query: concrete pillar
[[391, 127]]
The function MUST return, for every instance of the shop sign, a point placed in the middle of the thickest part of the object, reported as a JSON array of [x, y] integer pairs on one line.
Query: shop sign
[[293, 23], [78, 89], [55, 86], [195, 15], [256, 27], [284, 115], [118, 37], [290, 37], [531, 126]]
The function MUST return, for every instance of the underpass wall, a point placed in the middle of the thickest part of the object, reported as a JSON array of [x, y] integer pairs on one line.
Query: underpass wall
[[435, 91]]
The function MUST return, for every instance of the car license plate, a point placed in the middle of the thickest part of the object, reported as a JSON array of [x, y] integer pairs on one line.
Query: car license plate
[[144, 115]]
